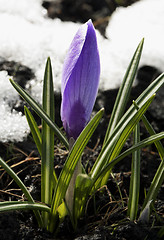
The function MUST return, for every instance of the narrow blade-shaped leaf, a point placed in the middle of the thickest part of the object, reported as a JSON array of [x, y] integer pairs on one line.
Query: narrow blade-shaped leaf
[[34, 129], [22, 187], [47, 157], [41, 113], [113, 146], [151, 131], [159, 176], [155, 185], [135, 178], [15, 205], [141, 144], [140, 101], [124, 91], [149, 91]]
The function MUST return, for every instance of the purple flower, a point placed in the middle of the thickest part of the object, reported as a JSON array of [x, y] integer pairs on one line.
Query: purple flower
[[80, 80]]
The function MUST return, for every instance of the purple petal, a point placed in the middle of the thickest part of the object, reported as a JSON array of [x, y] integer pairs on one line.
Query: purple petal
[[80, 80]]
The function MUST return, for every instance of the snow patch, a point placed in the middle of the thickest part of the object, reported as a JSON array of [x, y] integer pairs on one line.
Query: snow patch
[[13, 125]]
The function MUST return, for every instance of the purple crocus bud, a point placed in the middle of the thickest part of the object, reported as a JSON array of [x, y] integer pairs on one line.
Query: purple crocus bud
[[80, 80]]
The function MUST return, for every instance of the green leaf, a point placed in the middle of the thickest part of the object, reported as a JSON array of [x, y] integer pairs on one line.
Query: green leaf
[[155, 185], [22, 187], [159, 176], [124, 91], [81, 192], [41, 113], [127, 117], [135, 179], [15, 205], [151, 131], [62, 211], [34, 129], [113, 146], [47, 157], [54, 179], [71, 162], [140, 101], [141, 144]]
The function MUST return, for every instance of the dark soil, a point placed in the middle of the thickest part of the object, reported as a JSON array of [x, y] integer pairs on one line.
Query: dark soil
[[82, 10], [106, 217]]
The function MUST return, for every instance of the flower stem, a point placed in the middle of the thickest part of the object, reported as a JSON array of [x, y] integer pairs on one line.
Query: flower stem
[[70, 190]]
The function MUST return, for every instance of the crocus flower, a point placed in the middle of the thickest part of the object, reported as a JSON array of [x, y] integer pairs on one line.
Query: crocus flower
[[80, 80]]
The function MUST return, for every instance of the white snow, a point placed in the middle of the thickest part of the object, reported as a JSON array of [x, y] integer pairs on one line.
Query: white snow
[[13, 125], [126, 29], [29, 37]]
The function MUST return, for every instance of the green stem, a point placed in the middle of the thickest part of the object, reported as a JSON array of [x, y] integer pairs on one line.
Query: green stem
[[70, 190]]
